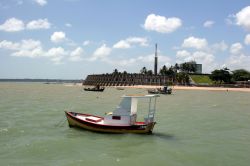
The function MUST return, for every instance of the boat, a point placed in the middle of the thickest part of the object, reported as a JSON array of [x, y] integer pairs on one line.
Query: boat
[[97, 88], [165, 90], [122, 120], [119, 88]]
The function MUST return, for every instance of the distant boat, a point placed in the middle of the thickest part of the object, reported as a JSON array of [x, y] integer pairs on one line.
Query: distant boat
[[165, 90], [122, 120], [119, 88], [96, 89]]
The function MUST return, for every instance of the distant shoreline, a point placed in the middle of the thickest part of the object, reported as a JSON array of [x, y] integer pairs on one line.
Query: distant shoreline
[[79, 83], [225, 89], [41, 80]]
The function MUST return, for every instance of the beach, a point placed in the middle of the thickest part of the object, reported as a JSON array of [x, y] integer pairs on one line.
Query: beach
[[181, 88]]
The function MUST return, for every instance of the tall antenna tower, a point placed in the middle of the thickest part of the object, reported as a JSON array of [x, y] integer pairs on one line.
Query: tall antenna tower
[[156, 60]]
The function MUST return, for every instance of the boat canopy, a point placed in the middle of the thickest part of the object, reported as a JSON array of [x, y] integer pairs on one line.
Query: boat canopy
[[140, 96], [128, 105]]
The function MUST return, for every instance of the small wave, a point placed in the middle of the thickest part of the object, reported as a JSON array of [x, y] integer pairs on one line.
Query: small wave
[[4, 130]]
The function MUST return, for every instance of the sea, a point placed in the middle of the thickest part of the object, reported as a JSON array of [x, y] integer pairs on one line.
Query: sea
[[194, 128]]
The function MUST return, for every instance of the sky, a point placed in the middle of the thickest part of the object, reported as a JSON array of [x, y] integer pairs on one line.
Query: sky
[[69, 39]]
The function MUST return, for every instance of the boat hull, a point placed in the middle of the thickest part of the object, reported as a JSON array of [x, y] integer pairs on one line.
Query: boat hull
[[94, 90], [138, 128]]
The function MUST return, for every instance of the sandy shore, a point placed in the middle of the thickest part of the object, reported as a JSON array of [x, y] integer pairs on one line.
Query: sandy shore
[[193, 88], [179, 88], [211, 88]]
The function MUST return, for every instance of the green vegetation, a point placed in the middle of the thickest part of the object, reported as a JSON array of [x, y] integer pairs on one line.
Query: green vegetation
[[179, 74], [241, 75], [225, 76], [145, 71], [201, 79], [188, 67], [221, 76]]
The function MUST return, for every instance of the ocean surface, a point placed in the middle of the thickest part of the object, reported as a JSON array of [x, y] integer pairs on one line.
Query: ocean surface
[[194, 128]]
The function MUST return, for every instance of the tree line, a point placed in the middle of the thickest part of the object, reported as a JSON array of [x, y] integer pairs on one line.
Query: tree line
[[226, 76], [179, 73]]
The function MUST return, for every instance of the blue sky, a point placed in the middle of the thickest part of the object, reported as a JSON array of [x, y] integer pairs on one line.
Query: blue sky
[[69, 39]]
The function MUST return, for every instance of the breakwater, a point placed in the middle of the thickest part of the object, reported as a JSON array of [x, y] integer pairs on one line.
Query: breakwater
[[127, 79]]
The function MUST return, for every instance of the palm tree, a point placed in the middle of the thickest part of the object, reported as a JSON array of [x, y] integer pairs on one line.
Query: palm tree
[[176, 68], [115, 72], [182, 78], [143, 70], [163, 70], [150, 72]]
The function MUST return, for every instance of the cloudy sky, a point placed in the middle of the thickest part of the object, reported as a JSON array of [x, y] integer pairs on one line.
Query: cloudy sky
[[69, 39]]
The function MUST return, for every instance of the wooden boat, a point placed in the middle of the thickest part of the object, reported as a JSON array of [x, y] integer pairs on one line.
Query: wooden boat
[[120, 88], [165, 90], [122, 120], [95, 89]]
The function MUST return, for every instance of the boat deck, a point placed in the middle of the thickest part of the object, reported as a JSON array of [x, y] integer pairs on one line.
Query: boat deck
[[98, 120], [89, 118]]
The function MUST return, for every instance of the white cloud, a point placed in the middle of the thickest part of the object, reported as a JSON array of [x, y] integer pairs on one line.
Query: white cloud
[[182, 54], [33, 49], [15, 25], [58, 37], [203, 57], [86, 43], [206, 59], [39, 24], [243, 18], [12, 25], [29, 48], [9, 45], [193, 42], [26, 48], [19, 2], [121, 62], [122, 44], [236, 48], [238, 62], [56, 54], [142, 41], [238, 59], [230, 20], [222, 46], [41, 2], [208, 24], [127, 43], [149, 59], [68, 25], [101, 52], [24, 44], [76, 54], [247, 39], [30, 44], [162, 24], [32, 53]]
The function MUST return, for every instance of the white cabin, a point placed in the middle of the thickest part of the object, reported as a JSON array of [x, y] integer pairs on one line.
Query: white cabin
[[126, 113]]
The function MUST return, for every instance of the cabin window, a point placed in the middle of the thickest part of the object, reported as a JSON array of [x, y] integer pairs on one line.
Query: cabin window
[[116, 117]]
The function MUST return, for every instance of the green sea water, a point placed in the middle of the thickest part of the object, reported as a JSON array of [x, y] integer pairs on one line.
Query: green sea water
[[194, 128]]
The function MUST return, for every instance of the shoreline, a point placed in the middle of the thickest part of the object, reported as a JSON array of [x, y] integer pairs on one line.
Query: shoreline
[[225, 89], [212, 88], [187, 88]]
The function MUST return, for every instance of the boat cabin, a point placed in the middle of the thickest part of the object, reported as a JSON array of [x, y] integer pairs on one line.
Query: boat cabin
[[126, 112]]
